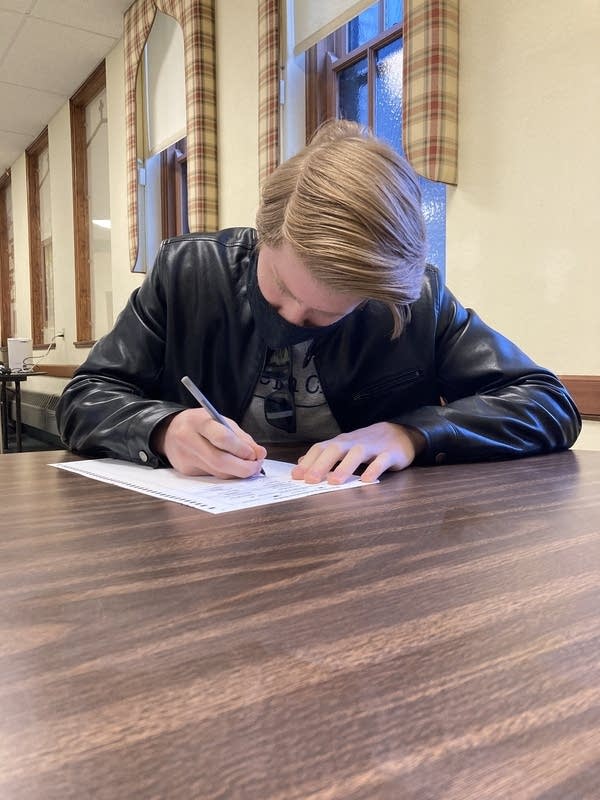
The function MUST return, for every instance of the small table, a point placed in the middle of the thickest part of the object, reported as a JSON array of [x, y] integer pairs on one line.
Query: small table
[[16, 377]]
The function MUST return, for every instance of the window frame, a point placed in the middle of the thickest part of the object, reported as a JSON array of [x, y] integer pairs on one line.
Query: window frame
[[5, 306], [330, 56], [36, 260], [326, 60], [173, 189], [86, 93]]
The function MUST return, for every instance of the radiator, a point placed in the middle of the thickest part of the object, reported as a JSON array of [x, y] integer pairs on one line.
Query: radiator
[[38, 410]]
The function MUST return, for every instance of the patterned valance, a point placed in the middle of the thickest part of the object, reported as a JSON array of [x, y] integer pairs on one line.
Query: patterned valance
[[268, 86], [197, 20], [430, 101]]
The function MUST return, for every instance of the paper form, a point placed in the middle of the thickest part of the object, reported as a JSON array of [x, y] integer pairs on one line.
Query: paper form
[[214, 495]]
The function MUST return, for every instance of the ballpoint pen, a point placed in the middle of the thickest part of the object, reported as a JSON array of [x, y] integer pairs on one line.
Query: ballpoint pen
[[206, 404]]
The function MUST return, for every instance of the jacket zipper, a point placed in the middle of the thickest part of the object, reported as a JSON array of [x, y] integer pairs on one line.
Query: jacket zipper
[[388, 383]]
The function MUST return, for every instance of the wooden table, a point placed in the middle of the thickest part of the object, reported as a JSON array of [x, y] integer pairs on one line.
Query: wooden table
[[433, 636]]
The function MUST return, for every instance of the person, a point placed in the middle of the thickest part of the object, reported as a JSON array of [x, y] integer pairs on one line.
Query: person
[[322, 325]]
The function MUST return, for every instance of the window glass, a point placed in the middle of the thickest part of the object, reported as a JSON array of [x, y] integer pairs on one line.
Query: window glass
[[388, 93], [353, 92], [363, 82], [363, 27], [99, 215], [162, 188], [47, 271], [12, 291], [394, 12], [434, 211], [388, 125]]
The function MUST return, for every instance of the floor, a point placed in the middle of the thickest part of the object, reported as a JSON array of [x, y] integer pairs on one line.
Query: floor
[[31, 441]]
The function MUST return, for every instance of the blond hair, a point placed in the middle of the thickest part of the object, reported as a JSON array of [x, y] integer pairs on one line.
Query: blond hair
[[350, 208]]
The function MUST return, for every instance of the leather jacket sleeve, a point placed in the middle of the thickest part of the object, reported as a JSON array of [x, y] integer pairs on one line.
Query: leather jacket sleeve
[[113, 403], [496, 402]]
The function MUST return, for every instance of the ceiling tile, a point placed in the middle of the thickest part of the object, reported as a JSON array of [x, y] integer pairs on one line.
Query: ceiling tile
[[48, 48], [53, 58], [9, 24], [105, 17], [22, 6], [26, 111], [11, 147]]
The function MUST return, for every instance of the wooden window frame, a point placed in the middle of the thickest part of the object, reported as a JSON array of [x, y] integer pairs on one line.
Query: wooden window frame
[[86, 93], [173, 189], [328, 57], [36, 261], [5, 316]]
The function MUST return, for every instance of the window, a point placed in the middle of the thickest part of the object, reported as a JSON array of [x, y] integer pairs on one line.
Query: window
[[162, 199], [40, 241], [8, 321], [175, 107], [356, 73], [91, 209], [173, 189]]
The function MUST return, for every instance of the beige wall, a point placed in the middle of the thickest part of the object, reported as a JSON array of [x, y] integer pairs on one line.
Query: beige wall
[[237, 109], [522, 224], [523, 237], [237, 70]]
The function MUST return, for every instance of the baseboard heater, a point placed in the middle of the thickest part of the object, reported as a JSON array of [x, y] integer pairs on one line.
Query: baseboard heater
[[38, 410]]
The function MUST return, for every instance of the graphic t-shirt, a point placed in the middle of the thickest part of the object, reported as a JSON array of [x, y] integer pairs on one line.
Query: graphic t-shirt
[[314, 421]]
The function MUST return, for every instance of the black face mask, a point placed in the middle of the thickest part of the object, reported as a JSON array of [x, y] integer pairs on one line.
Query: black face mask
[[276, 331]]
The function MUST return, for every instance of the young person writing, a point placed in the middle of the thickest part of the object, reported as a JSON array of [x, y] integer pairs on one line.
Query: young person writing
[[323, 325]]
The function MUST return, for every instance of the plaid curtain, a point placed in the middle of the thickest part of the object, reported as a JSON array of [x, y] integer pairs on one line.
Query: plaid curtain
[[137, 22], [430, 130], [197, 20], [268, 87]]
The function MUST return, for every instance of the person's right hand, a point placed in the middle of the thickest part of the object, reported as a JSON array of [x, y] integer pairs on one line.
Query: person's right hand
[[196, 444]]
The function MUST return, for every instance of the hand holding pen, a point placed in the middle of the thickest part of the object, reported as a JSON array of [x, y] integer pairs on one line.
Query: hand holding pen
[[195, 442], [206, 404]]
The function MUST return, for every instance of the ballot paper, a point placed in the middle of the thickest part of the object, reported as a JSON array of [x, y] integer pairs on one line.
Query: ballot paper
[[210, 494]]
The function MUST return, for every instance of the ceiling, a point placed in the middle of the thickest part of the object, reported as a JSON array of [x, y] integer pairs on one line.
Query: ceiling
[[47, 49]]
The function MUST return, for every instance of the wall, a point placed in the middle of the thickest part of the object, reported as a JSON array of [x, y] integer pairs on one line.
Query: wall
[[237, 87], [59, 141], [237, 110], [522, 231]]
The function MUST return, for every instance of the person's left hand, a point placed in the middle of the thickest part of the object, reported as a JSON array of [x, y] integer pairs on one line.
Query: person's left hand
[[384, 446]]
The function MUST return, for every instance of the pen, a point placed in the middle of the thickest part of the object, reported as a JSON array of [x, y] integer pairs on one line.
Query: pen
[[205, 403]]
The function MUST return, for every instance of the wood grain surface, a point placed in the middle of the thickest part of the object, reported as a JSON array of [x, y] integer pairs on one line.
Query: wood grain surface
[[433, 636]]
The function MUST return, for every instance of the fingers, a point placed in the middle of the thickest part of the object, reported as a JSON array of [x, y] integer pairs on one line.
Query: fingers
[[195, 444], [224, 465], [382, 446], [259, 451], [377, 467], [226, 440], [332, 461]]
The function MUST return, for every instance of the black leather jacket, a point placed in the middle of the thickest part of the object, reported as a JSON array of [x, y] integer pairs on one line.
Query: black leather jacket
[[473, 394]]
